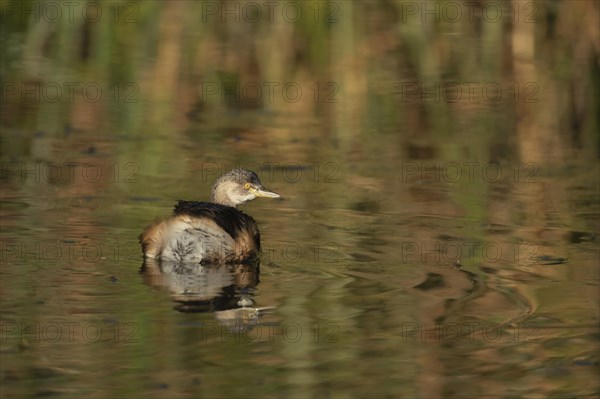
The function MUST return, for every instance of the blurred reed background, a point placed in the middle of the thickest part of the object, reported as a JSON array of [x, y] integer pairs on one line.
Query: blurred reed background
[[210, 67]]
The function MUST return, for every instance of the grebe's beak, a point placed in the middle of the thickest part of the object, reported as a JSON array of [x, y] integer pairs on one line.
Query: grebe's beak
[[263, 192]]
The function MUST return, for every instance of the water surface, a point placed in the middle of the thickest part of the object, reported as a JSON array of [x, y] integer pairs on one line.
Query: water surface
[[423, 248]]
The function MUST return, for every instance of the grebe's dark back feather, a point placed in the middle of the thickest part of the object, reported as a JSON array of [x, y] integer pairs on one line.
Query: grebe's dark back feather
[[233, 221]]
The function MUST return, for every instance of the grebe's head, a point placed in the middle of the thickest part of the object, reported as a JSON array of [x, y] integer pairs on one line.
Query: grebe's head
[[238, 186]]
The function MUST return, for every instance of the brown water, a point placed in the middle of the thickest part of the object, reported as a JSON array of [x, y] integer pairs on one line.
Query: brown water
[[358, 292], [423, 247]]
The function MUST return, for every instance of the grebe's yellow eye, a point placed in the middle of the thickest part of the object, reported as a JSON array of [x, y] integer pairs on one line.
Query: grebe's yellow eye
[[247, 186]]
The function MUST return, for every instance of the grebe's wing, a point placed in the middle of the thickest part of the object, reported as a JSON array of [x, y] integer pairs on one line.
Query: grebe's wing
[[202, 232]]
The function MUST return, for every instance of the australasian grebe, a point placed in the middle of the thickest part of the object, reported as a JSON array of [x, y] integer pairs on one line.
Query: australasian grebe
[[210, 232]]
